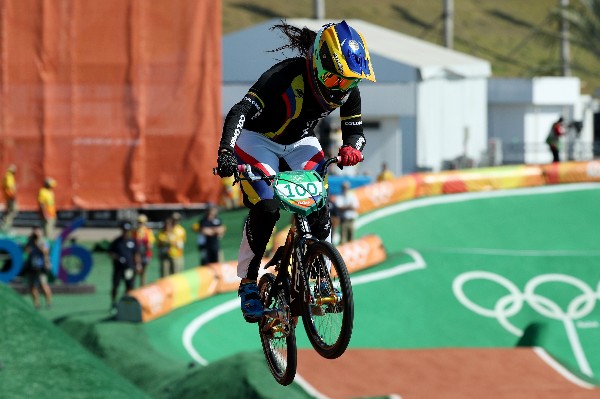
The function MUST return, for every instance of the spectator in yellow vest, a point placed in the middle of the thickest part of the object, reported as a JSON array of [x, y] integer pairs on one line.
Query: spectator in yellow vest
[[170, 244], [47, 207], [385, 173], [180, 237], [9, 188], [144, 238], [231, 194]]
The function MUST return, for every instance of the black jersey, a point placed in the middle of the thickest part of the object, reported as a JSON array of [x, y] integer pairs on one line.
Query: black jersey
[[284, 106]]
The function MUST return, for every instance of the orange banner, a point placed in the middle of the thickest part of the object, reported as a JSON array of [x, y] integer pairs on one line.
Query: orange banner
[[118, 100], [169, 293], [572, 172], [378, 195], [172, 292], [469, 180], [226, 278], [363, 253]]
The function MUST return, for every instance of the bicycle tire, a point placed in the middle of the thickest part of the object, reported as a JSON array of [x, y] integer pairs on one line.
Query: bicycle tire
[[328, 318], [278, 339]]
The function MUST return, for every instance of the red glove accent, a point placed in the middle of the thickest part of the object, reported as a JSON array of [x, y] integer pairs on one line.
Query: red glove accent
[[349, 155]]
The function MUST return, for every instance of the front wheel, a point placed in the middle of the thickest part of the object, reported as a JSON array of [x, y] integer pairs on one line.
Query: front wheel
[[328, 311], [277, 330]]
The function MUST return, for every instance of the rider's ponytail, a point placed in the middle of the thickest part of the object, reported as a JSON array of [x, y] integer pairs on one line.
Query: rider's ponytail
[[299, 39]]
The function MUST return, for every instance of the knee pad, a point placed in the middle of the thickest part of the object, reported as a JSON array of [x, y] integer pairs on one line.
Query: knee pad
[[320, 223]]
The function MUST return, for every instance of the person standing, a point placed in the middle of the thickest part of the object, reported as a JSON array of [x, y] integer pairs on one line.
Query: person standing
[[553, 140], [212, 228], [144, 239], [170, 249], [347, 209], [180, 238], [9, 188], [385, 173], [126, 258], [37, 267], [47, 207], [230, 196]]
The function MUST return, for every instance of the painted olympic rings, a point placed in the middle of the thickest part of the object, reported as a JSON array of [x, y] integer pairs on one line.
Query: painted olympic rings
[[512, 303]]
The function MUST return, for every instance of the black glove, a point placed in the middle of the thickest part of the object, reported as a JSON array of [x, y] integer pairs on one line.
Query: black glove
[[226, 164]]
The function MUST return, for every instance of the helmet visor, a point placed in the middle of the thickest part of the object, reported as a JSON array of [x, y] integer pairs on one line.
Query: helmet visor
[[336, 82]]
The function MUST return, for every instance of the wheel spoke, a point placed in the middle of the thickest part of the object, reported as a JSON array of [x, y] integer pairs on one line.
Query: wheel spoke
[[277, 333], [328, 316]]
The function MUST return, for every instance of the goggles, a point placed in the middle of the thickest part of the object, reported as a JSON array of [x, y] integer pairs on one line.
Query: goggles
[[334, 81]]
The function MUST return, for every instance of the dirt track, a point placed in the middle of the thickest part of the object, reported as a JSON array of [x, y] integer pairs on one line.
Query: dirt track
[[517, 373]]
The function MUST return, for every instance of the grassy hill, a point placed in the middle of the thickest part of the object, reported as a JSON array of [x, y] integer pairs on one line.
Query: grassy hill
[[37, 359], [517, 37]]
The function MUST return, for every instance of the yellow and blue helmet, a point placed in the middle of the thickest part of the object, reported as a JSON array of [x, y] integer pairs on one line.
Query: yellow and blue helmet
[[340, 58]]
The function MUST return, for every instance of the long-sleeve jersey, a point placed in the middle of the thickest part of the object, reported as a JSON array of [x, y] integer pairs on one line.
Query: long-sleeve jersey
[[283, 105]]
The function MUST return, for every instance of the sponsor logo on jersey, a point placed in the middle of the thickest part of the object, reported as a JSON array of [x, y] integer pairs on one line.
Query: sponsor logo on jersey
[[238, 130], [256, 105], [360, 143], [355, 123]]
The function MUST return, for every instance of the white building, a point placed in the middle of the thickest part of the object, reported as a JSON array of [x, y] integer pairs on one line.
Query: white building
[[522, 111], [429, 103]]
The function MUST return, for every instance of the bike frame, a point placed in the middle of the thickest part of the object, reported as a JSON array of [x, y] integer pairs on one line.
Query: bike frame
[[294, 249]]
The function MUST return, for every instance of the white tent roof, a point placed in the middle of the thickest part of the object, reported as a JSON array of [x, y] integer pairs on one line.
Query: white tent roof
[[396, 57]]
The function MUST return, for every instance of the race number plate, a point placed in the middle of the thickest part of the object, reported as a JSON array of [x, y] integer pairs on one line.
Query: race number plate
[[301, 192]]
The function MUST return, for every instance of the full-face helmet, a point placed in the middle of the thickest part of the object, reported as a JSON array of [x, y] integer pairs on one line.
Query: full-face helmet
[[340, 59]]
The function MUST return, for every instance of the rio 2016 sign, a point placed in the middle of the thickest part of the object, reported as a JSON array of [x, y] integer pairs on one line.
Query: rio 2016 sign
[[57, 253]]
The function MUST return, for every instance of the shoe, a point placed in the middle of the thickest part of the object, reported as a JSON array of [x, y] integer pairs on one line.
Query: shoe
[[252, 306]]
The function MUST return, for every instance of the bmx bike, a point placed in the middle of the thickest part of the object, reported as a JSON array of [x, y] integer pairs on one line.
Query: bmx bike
[[306, 277]]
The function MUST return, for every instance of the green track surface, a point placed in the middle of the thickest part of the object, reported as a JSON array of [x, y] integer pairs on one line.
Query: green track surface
[[514, 238]]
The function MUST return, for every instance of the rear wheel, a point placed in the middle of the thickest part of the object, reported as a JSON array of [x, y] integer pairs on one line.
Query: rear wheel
[[328, 311], [277, 331]]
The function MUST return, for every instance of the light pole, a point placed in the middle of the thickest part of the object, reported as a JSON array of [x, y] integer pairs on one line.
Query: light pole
[[319, 9], [565, 50], [449, 23]]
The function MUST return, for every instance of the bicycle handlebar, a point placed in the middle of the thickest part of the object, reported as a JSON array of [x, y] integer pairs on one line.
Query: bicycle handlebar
[[249, 170]]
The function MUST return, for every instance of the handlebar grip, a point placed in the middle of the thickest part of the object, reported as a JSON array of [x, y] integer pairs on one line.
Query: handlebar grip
[[240, 169], [339, 158]]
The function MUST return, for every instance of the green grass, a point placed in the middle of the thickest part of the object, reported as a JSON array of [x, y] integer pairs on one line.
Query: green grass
[[515, 36], [40, 360]]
